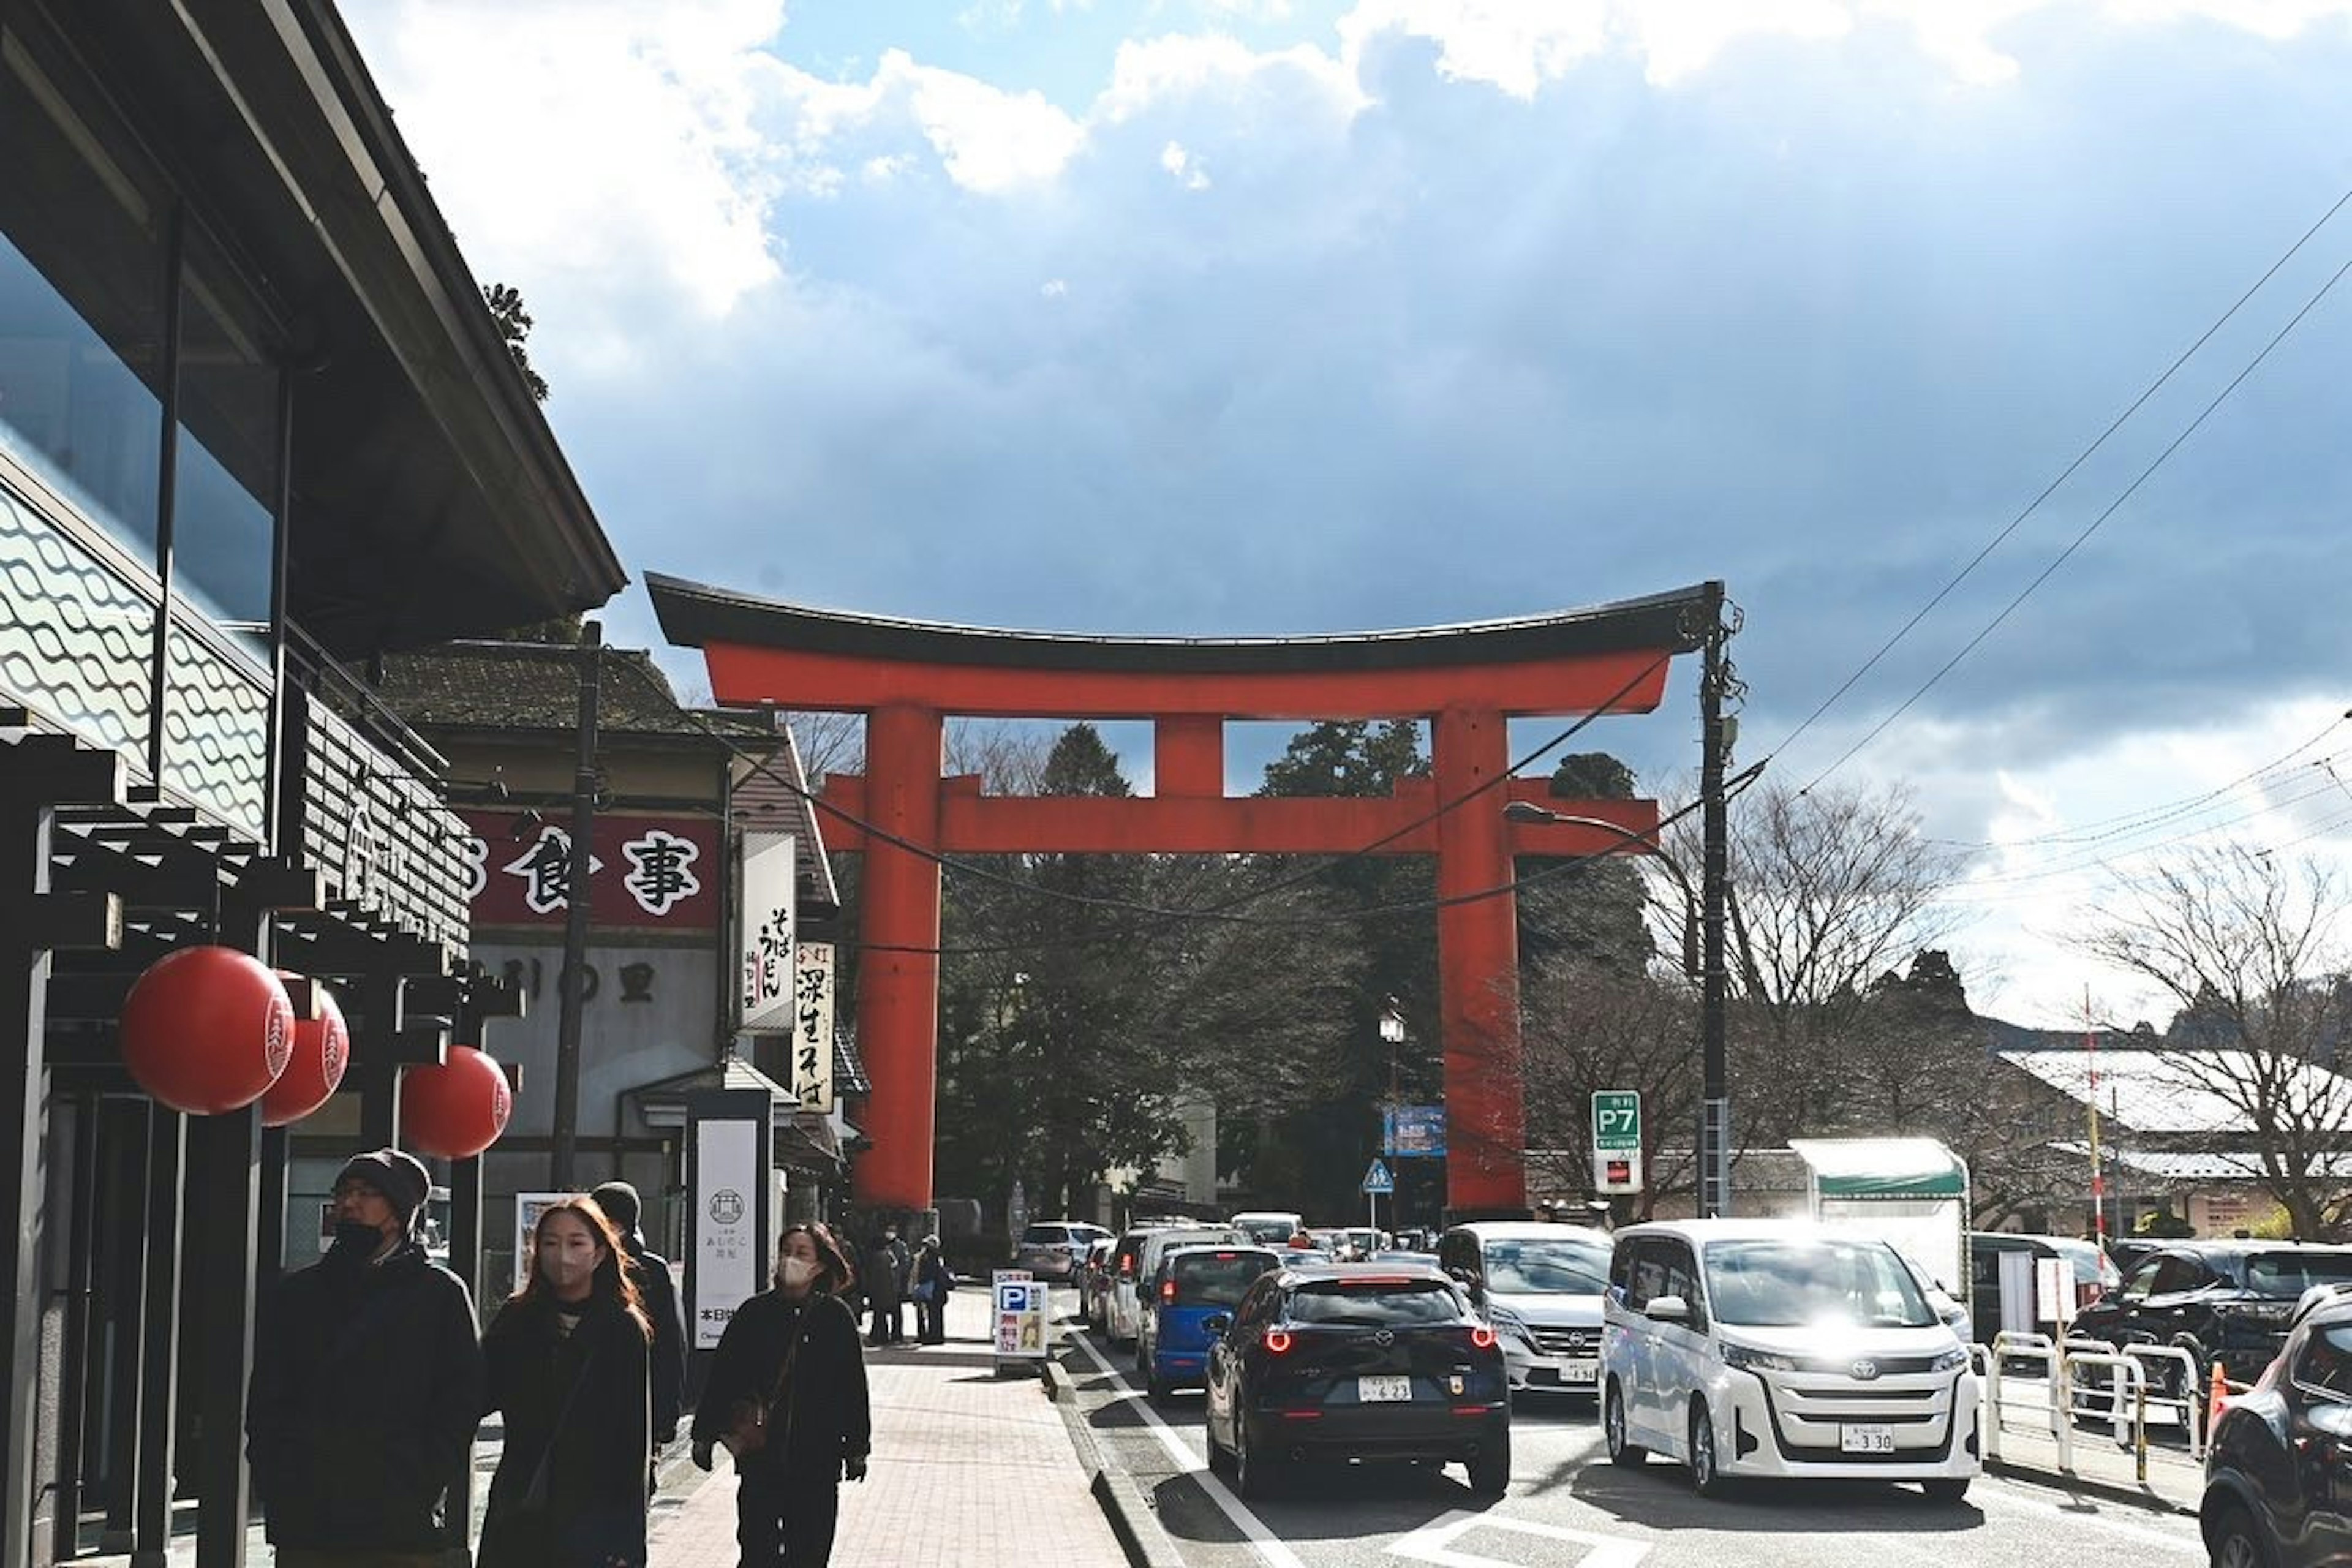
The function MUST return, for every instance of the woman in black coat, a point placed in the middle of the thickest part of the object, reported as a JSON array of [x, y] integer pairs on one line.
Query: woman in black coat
[[933, 1279], [565, 1360], [793, 1352]]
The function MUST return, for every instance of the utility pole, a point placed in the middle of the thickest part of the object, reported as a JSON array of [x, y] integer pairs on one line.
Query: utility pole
[[572, 990], [1714, 1103]]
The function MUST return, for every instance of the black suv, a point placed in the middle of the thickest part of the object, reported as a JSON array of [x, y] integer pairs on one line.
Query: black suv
[[2278, 1480], [2229, 1301]]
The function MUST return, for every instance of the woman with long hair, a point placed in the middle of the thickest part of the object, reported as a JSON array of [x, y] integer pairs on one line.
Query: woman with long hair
[[566, 1363], [786, 1394]]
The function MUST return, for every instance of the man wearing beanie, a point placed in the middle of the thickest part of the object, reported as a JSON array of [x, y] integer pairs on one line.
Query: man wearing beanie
[[649, 1271], [367, 1384]]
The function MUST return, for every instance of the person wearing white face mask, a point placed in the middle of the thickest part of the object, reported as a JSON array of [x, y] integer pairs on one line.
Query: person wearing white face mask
[[566, 1358], [786, 1395]]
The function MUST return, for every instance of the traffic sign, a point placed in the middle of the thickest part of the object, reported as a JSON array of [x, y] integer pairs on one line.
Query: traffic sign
[[1616, 1169], [1616, 1121], [1377, 1178]]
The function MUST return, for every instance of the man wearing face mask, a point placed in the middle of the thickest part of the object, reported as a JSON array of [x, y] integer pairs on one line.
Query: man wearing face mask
[[367, 1384], [649, 1272]]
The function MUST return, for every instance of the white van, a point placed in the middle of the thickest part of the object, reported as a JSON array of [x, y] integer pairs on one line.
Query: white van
[[1780, 1348], [1540, 1283], [1268, 1228]]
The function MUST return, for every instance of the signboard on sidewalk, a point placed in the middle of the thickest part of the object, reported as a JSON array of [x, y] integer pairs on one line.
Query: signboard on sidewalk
[[1020, 1307], [1413, 1131], [727, 1193]]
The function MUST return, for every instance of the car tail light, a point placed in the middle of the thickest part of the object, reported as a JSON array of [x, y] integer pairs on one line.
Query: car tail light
[[1277, 1341], [1483, 1337], [1126, 1264], [1168, 1291]]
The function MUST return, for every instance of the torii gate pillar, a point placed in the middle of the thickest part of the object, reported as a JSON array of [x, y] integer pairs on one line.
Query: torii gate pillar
[[1478, 971], [899, 966]]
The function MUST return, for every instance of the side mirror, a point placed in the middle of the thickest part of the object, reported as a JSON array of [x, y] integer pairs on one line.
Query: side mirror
[[1667, 1310], [1216, 1325]]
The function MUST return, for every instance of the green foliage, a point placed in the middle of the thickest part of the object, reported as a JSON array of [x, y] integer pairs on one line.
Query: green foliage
[[514, 325], [2163, 1225]]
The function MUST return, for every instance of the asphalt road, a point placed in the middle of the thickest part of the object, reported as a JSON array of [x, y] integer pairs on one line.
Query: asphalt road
[[1569, 1508]]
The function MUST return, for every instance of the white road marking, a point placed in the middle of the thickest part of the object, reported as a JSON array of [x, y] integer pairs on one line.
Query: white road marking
[[1434, 1542], [1254, 1530], [2004, 1497]]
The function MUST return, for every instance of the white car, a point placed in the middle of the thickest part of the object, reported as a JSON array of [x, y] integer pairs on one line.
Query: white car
[[1127, 1306], [1540, 1285], [1053, 1250], [1778, 1348]]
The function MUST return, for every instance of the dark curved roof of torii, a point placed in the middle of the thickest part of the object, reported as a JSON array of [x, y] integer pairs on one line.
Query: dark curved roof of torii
[[695, 614]]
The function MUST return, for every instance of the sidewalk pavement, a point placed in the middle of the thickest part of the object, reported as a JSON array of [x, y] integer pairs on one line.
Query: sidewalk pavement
[[968, 1467], [2097, 1464]]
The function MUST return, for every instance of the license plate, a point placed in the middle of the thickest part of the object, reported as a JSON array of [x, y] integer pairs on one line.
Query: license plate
[[1580, 1371], [1866, 1440], [1382, 1390]]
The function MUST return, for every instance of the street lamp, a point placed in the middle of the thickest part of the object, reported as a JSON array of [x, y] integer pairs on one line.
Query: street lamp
[[1698, 913]]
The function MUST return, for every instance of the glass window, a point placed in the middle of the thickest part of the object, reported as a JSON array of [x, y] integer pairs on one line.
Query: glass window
[[1045, 1233], [1547, 1267], [2290, 1273], [1376, 1303], [2142, 1281], [1795, 1282], [1215, 1278], [82, 276], [2179, 1272], [1257, 1306], [2325, 1361], [1682, 1273], [1645, 1274], [225, 489]]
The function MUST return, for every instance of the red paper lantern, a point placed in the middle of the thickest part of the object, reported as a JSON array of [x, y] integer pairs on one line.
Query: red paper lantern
[[457, 1110], [322, 1048], [207, 1030]]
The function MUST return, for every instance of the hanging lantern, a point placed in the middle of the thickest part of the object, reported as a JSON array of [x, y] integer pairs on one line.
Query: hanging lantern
[[322, 1048], [457, 1110], [207, 1030]]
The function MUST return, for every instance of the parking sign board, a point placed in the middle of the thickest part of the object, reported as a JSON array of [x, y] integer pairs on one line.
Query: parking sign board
[[1616, 1141]]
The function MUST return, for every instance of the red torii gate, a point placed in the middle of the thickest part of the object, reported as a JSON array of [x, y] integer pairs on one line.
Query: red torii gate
[[907, 676]]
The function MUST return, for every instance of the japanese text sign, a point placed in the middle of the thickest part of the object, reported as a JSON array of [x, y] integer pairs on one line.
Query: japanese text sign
[[764, 950], [813, 978], [656, 871]]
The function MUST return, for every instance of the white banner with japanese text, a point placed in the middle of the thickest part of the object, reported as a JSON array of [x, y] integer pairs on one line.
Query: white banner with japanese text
[[764, 951], [812, 1027], [728, 1202]]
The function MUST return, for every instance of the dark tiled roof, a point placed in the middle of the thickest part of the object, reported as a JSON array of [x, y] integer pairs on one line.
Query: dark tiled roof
[[520, 687]]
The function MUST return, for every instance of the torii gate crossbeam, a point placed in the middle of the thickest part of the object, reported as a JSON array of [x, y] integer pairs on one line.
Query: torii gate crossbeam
[[1468, 681]]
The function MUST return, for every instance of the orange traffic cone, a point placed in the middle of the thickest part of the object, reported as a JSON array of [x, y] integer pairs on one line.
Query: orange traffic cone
[[2218, 1400]]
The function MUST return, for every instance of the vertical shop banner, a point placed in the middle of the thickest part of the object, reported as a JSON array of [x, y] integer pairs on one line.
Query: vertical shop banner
[[812, 1027], [728, 1181], [765, 946]]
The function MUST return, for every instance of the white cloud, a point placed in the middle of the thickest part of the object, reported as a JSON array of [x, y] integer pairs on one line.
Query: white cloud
[[1181, 166], [1180, 68], [1054, 288]]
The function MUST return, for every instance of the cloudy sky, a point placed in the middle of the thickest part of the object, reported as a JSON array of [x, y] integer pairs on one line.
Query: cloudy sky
[[1248, 316]]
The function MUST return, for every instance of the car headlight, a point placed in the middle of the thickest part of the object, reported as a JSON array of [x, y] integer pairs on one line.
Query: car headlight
[[1507, 1321], [1760, 1361], [1951, 1361]]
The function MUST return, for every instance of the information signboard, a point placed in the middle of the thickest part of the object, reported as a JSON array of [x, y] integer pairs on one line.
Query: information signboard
[[1020, 1307]]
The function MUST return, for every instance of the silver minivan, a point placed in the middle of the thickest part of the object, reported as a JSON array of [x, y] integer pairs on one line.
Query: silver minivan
[[1539, 1284], [1780, 1348]]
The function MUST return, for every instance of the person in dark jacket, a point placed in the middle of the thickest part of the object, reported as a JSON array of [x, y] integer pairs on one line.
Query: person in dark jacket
[[565, 1362], [885, 1288], [932, 1281], [793, 1352], [658, 1293], [367, 1384]]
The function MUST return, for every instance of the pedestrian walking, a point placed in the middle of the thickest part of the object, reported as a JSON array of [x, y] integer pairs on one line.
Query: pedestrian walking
[[932, 1281], [658, 1294], [786, 1395], [565, 1361], [887, 1266], [367, 1384]]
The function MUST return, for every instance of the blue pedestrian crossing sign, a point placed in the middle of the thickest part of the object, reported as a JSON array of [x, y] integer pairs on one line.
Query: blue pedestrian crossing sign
[[1377, 1178]]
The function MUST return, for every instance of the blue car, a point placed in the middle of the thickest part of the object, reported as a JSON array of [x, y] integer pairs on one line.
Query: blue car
[[1194, 1283]]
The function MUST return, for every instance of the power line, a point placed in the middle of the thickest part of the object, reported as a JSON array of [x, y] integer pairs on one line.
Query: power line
[[2034, 505], [2092, 527]]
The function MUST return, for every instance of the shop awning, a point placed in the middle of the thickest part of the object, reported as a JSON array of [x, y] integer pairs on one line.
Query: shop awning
[[804, 1140], [1882, 1167]]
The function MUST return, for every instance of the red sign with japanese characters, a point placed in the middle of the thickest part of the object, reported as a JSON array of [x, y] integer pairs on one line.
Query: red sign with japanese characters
[[656, 871]]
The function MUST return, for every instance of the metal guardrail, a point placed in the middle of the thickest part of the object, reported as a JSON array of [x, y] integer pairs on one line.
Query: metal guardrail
[[2128, 1395]]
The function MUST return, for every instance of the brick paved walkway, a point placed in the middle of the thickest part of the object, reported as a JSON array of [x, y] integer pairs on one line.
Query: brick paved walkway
[[969, 1468]]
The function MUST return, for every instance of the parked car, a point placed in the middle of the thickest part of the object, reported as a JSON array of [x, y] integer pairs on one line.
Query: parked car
[[1780, 1348], [2229, 1301], [2278, 1475], [1053, 1250], [1192, 1284], [1126, 1255], [1540, 1285], [1356, 1362], [2092, 1275]]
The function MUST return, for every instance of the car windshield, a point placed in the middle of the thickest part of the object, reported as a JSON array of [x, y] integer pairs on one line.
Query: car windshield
[[1546, 1267], [1375, 1303], [2289, 1274], [1216, 1279], [1795, 1283]]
